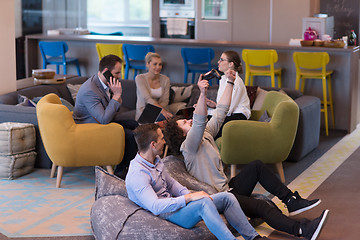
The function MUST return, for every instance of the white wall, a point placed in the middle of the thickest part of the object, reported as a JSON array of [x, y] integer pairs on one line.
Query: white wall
[[250, 21], [287, 19], [7, 47]]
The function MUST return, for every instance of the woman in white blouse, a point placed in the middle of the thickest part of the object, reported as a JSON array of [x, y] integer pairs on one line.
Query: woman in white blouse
[[240, 103], [153, 87]]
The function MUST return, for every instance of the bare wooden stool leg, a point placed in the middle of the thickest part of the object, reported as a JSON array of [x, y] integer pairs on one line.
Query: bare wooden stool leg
[[53, 169], [233, 170], [110, 169], [59, 176]]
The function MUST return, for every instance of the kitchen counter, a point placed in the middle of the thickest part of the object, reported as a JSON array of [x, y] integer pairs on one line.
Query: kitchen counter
[[344, 62]]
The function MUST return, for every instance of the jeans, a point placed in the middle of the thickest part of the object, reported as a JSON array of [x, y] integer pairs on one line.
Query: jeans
[[208, 210], [243, 185]]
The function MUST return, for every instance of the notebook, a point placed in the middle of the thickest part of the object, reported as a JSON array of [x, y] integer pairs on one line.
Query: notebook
[[149, 114], [186, 112]]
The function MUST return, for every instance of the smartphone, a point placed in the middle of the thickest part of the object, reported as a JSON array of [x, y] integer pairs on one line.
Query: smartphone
[[107, 75]]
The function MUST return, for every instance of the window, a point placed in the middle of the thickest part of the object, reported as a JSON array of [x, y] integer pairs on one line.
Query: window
[[131, 17]]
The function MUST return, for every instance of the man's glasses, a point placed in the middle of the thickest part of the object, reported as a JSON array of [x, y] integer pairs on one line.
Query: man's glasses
[[222, 60]]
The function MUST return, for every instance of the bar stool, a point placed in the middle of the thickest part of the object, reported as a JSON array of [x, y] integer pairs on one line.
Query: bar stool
[[104, 49], [134, 57], [312, 65], [54, 53], [261, 63], [196, 60]]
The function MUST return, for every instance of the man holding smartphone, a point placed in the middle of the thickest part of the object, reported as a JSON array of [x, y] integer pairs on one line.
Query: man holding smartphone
[[99, 101]]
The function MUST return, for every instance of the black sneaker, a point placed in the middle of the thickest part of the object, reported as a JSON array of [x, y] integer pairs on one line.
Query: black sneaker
[[260, 237], [296, 204], [311, 229]]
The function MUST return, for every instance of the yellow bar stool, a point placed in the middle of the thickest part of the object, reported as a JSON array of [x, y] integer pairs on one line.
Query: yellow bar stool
[[104, 49], [261, 63], [312, 65]]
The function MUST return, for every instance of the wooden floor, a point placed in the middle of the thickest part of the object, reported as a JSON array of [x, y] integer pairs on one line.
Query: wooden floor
[[340, 193]]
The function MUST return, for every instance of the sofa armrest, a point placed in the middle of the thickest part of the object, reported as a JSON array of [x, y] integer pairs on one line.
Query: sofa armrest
[[255, 115], [10, 113], [9, 98], [308, 132]]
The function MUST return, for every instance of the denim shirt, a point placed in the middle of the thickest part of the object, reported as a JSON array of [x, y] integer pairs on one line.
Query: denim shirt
[[151, 187]]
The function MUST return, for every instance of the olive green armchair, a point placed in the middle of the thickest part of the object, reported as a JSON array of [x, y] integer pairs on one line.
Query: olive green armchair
[[245, 141], [76, 145]]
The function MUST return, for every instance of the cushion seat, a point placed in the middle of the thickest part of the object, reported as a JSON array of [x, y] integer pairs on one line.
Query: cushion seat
[[17, 149]]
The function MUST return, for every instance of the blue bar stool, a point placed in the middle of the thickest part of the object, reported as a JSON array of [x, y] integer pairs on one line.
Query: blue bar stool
[[54, 53], [135, 57], [196, 60]]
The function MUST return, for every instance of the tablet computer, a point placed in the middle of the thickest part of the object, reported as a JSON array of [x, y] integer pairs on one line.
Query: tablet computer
[[149, 114], [186, 112]]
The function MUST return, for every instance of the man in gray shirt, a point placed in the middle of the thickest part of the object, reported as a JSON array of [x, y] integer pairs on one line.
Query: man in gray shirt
[[195, 140]]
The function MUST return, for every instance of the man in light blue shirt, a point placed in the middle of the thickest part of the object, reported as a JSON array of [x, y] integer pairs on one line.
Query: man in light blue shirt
[[150, 186]]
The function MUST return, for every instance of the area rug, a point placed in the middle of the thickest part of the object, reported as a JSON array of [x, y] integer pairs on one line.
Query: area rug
[[31, 206]]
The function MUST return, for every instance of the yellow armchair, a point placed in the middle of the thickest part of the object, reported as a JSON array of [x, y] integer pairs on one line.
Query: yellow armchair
[[245, 141], [74, 145]]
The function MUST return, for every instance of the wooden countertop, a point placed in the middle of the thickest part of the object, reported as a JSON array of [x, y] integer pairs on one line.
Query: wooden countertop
[[185, 42]]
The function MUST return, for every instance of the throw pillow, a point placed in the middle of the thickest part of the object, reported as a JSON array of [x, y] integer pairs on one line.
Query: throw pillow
[[107, 184], [260, 97], [180, 94], [265, 117], [282, 91], [195, 93], [74, 89], [251, 92], [174, 107], [63, 101], [25, 101]]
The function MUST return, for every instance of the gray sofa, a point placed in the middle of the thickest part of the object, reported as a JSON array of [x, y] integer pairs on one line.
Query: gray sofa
[[306, 140]]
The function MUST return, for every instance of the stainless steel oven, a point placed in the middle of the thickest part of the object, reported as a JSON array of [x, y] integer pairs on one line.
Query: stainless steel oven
[[184, 9], [190, 34]]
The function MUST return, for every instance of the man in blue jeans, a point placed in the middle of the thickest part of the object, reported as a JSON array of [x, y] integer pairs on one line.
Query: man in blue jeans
[[149, 186]]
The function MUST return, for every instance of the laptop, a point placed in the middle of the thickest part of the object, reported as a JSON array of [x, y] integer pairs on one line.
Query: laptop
[[149, 114], [186, 112]]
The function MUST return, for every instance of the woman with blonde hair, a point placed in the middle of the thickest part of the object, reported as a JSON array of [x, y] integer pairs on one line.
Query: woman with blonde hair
[[153, 87]]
